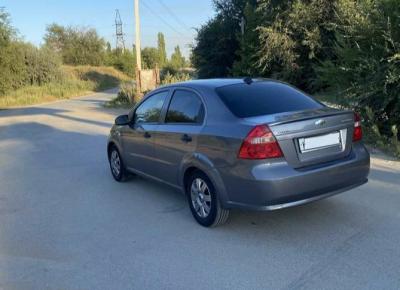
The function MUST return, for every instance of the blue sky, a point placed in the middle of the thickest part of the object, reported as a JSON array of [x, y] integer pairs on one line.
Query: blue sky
[[31, 17]]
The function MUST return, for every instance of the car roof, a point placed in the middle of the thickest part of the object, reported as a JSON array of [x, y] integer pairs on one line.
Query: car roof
[[208, 83], [219, 82]]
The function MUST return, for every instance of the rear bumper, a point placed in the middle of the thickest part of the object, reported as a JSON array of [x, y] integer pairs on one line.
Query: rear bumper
[[272, 186]]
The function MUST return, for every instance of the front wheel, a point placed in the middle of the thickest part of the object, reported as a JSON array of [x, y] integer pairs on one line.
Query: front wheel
[[118, 170], [203, 201]]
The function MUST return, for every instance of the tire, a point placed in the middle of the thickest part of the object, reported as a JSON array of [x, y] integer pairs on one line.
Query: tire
[[117, 167], [204, 202]]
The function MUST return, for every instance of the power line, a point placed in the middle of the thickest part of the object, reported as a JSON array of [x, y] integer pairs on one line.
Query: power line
[[152, 36], [173, 15], [161, 18]]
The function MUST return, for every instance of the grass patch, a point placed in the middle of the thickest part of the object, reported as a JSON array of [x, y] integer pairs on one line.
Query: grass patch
[[390, 146], [126, 98], [74, 81]]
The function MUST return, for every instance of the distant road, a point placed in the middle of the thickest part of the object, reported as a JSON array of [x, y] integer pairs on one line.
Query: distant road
[[65, 223]]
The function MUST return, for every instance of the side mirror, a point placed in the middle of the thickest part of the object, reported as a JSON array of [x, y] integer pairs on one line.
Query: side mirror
[[122, 120]]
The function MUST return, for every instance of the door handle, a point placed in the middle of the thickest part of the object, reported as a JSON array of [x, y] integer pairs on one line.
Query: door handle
[[186, 138], [147, 135]]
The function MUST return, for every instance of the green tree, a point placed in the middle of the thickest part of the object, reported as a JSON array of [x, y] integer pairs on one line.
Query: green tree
[[216, 47], [218, 41], [13, 69], [150, 57], [249, 43], [232, 9], [108, 47], [296, 39], [347, 46], [177, 59], [7, 32], [365, 72], [273, 38], [77, 46], [162, 53]]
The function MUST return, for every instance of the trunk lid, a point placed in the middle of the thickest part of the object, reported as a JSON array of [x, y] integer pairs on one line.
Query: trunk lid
[[311, 137]]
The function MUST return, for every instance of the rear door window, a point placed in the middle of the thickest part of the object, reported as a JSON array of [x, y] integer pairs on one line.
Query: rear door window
[[185, 107], [264, 98]]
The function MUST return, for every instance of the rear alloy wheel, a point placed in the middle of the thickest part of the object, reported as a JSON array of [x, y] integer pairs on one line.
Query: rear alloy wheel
[[118, 170], [203, 201], [201, 197]]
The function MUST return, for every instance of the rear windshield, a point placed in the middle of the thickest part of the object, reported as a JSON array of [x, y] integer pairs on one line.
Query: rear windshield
[[264, 98]]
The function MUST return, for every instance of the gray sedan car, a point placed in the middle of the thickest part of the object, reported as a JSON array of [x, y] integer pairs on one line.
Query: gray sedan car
[[233, 143]]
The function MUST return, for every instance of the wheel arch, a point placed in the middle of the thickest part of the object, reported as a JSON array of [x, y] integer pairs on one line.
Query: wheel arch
[[202, 163], [111, 144]]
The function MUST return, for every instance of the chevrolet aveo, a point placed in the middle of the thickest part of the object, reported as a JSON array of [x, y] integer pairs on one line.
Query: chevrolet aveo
[[233, 143]]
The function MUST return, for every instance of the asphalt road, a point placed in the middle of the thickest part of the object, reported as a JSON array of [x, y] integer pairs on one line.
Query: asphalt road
[[65, 223]]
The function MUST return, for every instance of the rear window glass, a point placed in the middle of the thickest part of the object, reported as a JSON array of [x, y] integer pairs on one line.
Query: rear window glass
[[264, 98]]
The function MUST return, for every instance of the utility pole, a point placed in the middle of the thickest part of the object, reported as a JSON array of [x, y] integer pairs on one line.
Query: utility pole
[[242, 25], [120, 42], [137, 35]]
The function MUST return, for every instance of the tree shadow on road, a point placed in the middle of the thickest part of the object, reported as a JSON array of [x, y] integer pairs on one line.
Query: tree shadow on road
[[47, 145], [59, 113], [386, 176]]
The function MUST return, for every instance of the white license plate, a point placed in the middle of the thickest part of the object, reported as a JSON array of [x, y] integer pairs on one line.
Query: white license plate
[[320, 142]]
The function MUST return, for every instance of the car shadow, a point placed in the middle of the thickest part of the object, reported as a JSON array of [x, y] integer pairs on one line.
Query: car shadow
[[322, 214]]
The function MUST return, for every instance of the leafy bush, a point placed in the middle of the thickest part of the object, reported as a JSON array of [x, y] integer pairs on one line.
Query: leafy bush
[[23, 64], [13, 69], [126, 97], [73, 81], [365, 72], [125, 61], [169, 78], [42, 64], [12, 72]]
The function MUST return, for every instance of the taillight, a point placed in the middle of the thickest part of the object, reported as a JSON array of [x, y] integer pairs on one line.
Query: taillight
[[357, 133], [260, 143]]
